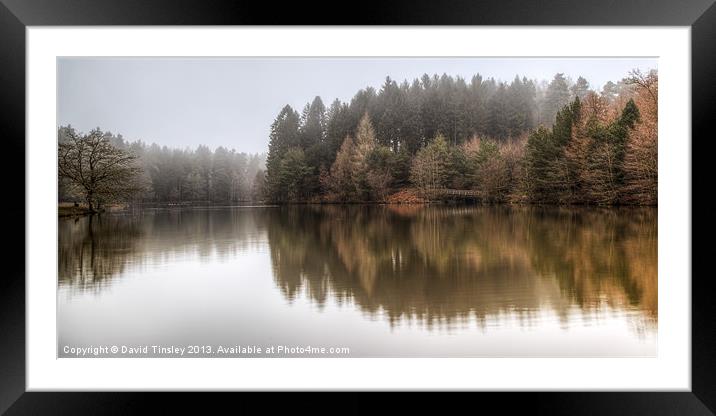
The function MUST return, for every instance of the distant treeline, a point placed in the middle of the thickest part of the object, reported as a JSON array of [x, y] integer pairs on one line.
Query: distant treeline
[[558, 142], [159, 173], [525, 142]]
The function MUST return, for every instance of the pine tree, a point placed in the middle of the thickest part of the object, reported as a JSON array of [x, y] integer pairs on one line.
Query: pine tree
[[580, 89], [498, 114], [284, 135], [291, 175], [313, 124], [338, 126], [556, 97], [540, 152], [429, 169]]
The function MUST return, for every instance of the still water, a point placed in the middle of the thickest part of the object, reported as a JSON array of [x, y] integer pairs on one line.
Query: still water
[[367, 281]]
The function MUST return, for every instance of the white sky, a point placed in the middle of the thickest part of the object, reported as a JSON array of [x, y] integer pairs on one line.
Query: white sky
[[231, 102]]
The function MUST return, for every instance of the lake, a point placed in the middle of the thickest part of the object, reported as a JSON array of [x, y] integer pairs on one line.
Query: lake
[[359, 281]]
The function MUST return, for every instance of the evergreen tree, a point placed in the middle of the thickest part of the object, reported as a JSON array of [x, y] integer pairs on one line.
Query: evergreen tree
[[498, 114], [258, 189], [479, 92], [379, 176], [222, 175], [540, 152], [607, 159], [338, 126], [411, 132], [580, 89], [610, 91], [203, 166], [557, 96], [400, 168], [291, 176], [313, 124], [389, 113], [429, 169], [284, 135]]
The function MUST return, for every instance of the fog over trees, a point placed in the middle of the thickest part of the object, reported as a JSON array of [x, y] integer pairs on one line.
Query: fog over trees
[[163, 174], [558, 141], [92, 167]]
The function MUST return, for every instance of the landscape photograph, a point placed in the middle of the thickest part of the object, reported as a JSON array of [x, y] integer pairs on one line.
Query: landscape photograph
[[351, 207]]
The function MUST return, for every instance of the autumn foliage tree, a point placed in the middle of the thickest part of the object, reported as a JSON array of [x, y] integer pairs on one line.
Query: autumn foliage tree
[[641, 158], [549, 143], [365, 143], [340, 180]]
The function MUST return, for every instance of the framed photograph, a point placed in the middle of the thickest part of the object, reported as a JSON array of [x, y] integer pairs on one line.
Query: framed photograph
[[467, 197]]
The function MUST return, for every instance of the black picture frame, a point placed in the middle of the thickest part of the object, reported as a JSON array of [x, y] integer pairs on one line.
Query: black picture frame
[[16, 15]]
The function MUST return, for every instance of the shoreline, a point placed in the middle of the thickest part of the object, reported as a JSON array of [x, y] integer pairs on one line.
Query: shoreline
[[71, 211]]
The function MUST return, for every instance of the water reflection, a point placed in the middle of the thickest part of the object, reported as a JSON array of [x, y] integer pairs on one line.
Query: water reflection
[[439, 268], [444, 264], [93, 250]]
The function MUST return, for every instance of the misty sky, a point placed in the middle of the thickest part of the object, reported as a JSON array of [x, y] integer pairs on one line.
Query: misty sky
[[231, 102]]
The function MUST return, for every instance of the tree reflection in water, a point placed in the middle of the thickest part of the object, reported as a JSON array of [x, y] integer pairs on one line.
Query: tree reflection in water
[[95, 249], [435, 265], [440, 265]]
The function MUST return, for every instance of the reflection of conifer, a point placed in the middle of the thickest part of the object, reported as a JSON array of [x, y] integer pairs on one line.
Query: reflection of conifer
[[442, 266]]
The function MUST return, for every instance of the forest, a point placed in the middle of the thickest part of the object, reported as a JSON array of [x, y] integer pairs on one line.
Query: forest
[[521, 142], [524, 141], [153, 174]]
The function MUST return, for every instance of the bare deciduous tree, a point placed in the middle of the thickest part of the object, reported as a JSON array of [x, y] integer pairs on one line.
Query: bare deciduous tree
[[641, 159], [647, 85], [98, 170]]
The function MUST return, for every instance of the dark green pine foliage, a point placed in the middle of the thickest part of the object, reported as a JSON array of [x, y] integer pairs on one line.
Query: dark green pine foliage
[[400, 168], [620, 130], [564, 121], [410, 114], [338, 126], [461, 130], [498, 115], [521, 106], [477, 95], [606, 160], [457, 169], [313, 124], [539, 152], [556, 97], [412, 137], [561, 175], [407, 117], [293, 175], [363, 102], [549, 176], [389, 114], [430, 107], [312, 136], [284, 136]]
